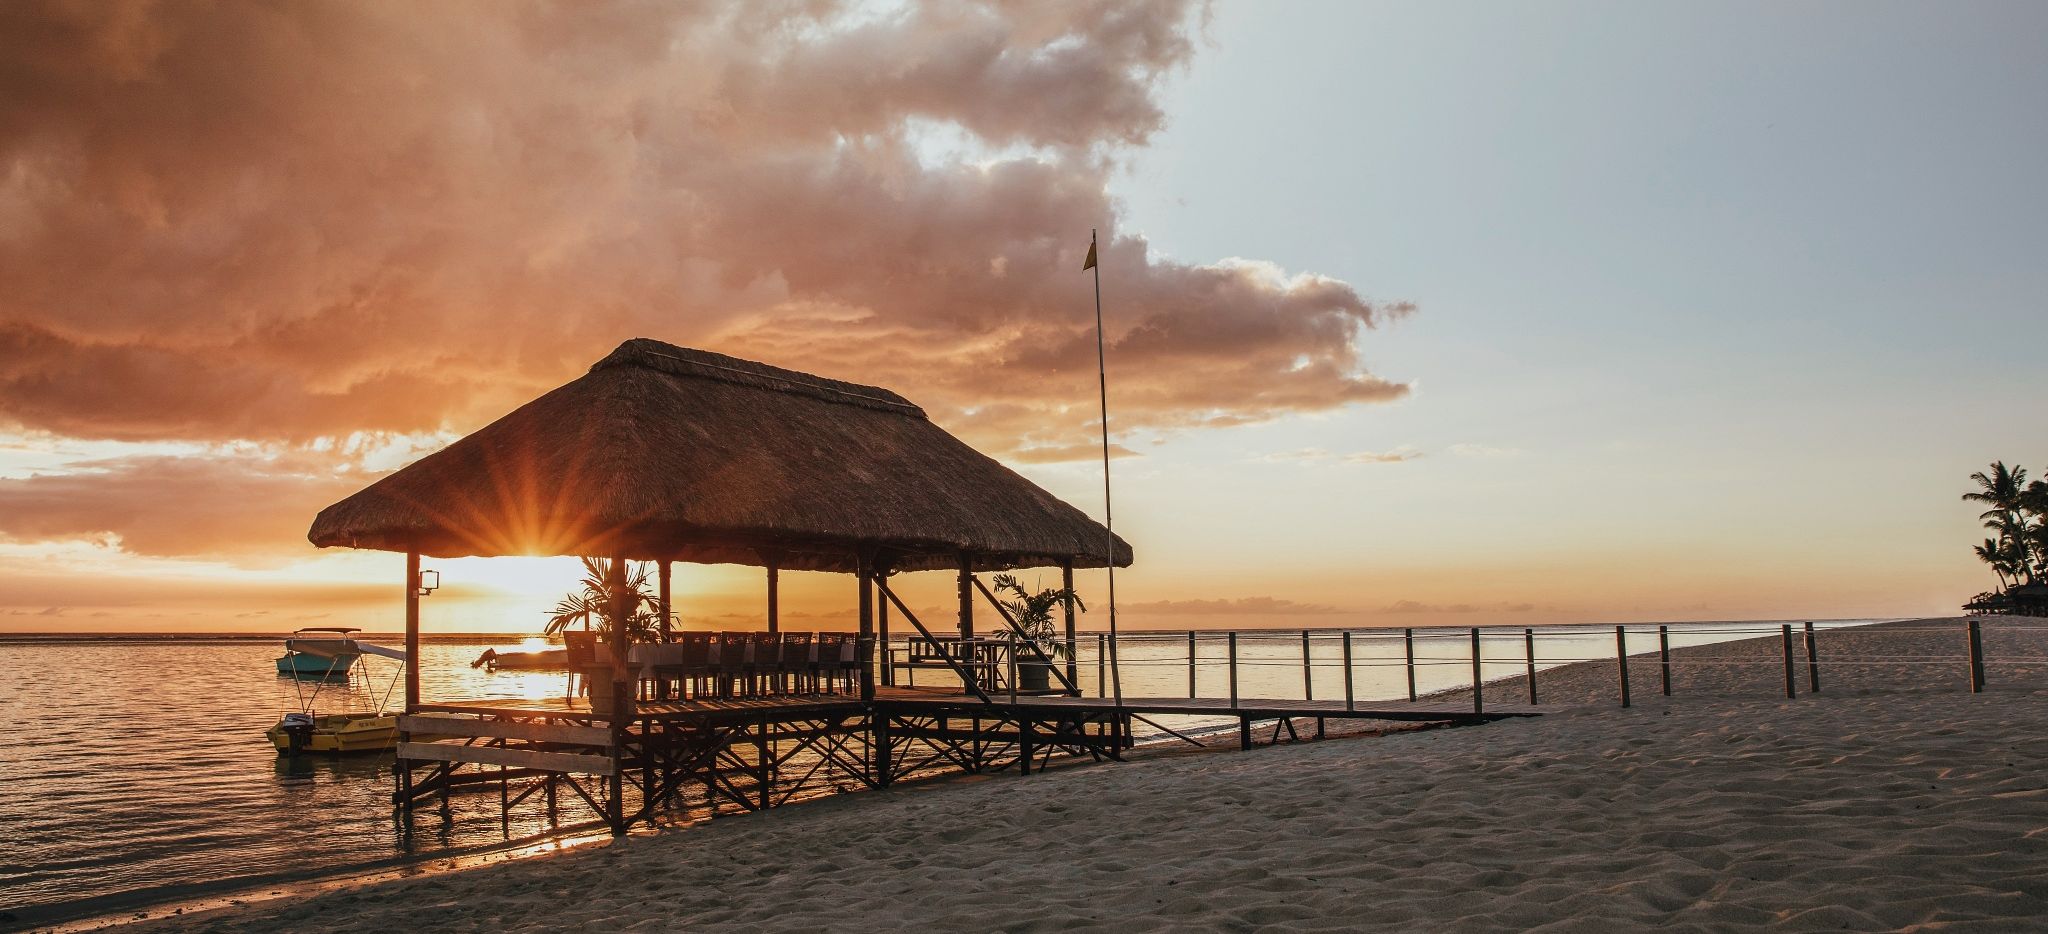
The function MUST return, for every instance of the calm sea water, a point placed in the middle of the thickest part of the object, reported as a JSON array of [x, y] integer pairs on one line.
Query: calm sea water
[[140, 766]]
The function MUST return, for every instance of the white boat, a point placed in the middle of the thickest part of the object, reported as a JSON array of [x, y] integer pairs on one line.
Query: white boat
[[319, 652]]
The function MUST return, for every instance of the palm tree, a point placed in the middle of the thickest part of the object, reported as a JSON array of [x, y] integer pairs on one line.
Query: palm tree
[[1990, 553], [2004, 489], [614, 600], [2034, 504]]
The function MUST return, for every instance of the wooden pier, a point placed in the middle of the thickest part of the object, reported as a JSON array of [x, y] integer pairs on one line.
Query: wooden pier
[[756, 753]]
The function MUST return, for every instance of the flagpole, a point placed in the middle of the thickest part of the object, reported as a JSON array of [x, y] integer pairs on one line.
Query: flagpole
[[1116, 678]]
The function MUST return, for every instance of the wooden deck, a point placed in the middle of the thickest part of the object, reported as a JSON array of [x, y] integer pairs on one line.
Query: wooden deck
[[756, 752], [1255, 708], [1249, 707]]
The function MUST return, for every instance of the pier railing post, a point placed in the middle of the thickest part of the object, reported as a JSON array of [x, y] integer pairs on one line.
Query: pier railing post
[[1621, 660], [1408, 639], [1529, 647], [1233, 668], [1664, 656], [1791, 687], [1976, 656], [1101, 665], [1350, 693], [1191, 664], [1308, 679], [1478, 706], [1812, 660]]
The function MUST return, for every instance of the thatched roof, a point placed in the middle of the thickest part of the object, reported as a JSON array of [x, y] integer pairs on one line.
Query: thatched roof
[[667, 452]]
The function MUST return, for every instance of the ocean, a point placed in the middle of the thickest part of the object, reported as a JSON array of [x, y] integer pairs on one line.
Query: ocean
[[136, 769]]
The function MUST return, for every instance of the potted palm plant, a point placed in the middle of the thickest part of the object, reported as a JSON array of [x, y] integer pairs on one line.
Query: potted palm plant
[[1033, 614], [613, 600]]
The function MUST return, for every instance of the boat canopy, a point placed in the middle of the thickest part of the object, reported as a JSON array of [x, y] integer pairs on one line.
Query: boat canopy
[[380, 651], [340, 648]]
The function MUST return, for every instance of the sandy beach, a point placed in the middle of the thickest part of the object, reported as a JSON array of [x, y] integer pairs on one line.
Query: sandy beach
[[1893, 800]]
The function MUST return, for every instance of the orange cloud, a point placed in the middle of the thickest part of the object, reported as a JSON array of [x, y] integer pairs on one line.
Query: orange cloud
[[250, 509], [221, 222]]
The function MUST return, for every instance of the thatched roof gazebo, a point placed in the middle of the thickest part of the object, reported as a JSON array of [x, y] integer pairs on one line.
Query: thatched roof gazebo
[[666, 453]]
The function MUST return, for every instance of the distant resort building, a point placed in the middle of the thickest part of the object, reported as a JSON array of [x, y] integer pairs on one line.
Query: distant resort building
[[2018, 600]]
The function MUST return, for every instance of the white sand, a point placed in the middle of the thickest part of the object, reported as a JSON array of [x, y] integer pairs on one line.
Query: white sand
[[1893, 800]]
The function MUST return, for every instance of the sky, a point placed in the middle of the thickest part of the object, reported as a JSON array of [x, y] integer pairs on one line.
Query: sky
[[1418, 313]]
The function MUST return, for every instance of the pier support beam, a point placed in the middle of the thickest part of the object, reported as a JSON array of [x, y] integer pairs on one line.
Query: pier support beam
[[412, 631], [965, 585], [1067, 582], [887, 663], [668, 607], [864, 646], [774, 596]]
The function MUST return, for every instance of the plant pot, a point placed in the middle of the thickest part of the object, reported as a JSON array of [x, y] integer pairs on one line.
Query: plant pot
[[1034, 675]]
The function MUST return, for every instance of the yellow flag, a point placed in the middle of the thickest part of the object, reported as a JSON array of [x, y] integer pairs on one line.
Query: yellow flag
[[1090, 264]]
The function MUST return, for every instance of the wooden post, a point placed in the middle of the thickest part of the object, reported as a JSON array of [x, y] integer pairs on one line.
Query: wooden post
[[883, 654], [774, 596], [1478, 706], [667, 605], [1621, 658], [1529, 647], [1233, 669], [1408, 639], [1812, 660], [864, 644], [1101, 665], [412, 675], [1067, 582], [965, 585], [615, 809], [1350, 695], [1976, 656], [1790, 689], [765, 769], [1664, 656], [1308, 680], [412, 632], [1012, 653], [1191, 664]]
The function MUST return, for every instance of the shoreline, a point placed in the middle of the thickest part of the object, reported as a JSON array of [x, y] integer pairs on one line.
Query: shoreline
[[1575, 688]]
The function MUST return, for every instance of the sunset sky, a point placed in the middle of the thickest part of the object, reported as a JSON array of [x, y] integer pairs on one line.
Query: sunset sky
[[1419, 313]]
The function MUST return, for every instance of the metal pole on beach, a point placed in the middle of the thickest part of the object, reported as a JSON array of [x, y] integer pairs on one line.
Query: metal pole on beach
[[1976, 657], [1529, 644], [1812, 660], [1116, 680], [1664, 656], [1477, 682], [1408, 640], [1621, 659], [1791, 689]]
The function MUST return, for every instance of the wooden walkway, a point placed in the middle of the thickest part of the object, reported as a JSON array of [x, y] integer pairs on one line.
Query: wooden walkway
[[1252, 707], [1255, 707], [760, 751]]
